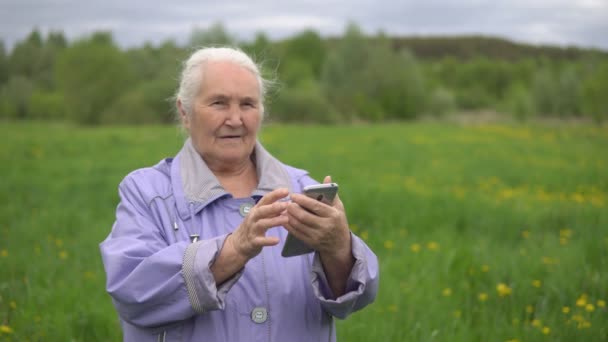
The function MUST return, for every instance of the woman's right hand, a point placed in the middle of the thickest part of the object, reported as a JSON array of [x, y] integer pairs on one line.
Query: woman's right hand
[[250, 237]]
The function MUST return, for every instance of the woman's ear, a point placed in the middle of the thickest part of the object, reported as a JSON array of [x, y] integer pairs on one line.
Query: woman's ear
[[185, 118]]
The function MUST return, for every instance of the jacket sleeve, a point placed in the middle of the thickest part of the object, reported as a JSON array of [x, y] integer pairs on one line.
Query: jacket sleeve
[[361, 286], [153, 283]]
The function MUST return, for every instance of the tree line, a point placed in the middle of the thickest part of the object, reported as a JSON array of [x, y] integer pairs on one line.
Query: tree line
[[353, 77]]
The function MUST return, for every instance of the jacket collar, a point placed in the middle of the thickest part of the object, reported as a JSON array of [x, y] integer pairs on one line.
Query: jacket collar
[[195, 186]]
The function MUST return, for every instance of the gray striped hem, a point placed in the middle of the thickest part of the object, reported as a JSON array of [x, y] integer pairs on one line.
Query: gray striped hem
[[190, 276]]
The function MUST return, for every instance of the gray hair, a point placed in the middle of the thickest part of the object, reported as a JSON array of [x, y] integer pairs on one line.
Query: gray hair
[[192, 73]]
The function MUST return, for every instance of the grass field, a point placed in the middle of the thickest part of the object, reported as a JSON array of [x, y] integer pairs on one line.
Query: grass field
[[484, 232]]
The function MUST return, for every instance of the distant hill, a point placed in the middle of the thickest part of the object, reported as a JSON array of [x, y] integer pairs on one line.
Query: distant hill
[[467, 47]]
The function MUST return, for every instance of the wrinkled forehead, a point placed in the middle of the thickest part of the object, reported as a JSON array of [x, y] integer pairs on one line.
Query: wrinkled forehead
[[228, 78]]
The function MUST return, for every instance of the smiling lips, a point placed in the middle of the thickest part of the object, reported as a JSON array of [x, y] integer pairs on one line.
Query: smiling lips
[[230, 136]]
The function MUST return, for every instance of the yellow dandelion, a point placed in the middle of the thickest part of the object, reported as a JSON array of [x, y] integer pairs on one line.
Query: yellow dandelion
[[590, 307], [432, 246], [549, 261], [578, 198], [403, 232], [513, 340], [578, 318], [6, 329], [601, 303], [536, 323], [354, 228], [566, 309], [457, 313], [37, 319], [63, 255], [37, 250], [503, 290], [565, 233], [585, 324], [546, 330], [537, 283], [4, 253], [415, 248], [13, 305], [58, 243], [485, 268], [525, 234], [392, 308], [446, 292], [388, 244], [364, 235], [482, 297], [529, 309], [563, 241], [581, 301]]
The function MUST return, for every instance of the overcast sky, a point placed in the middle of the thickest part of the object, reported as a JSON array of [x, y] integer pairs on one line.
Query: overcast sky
[[559, 22]]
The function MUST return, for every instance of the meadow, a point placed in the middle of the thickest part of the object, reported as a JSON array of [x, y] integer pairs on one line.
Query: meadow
[[484, 232]]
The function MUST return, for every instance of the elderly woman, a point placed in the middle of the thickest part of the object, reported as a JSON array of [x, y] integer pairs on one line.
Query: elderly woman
[[195, 252]]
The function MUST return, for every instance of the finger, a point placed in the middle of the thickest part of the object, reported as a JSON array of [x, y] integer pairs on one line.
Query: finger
[[316, 207], [300, 230], [304, 216], [265, 224], [338, 203], [269, 210], [273, 196], [327, 179], [263, 241]]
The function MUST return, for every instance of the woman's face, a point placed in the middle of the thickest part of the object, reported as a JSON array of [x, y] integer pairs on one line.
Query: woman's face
[[226, 114]]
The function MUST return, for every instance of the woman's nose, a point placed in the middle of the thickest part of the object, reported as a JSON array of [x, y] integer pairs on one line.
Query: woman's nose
[[235, 116]]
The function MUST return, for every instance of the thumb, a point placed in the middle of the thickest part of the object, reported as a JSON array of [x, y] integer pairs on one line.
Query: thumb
[[327, 180]]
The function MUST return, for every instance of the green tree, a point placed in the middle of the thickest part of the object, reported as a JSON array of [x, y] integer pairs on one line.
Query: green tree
[[306, 47], [260, 47], [215, 35], [3, 63], [15, 97], [595, 94], [35, 58], [92, 74], [25, 59], [46, 105], [368, 79], [148, 102], [302, 103]]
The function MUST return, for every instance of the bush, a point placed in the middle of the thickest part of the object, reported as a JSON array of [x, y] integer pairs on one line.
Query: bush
[[15, 98], [146, 103], [595, 94], [441, 102], [519, 102], [47, 105], [304, 103], [371, 81]]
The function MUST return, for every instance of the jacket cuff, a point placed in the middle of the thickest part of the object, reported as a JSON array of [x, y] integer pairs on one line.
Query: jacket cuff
[[355, 284], [203, 293]]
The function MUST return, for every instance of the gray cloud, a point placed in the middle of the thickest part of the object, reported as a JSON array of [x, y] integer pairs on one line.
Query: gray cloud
[[561, 22]]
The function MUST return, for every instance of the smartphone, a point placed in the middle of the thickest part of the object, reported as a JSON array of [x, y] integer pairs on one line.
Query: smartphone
[[321, 192]]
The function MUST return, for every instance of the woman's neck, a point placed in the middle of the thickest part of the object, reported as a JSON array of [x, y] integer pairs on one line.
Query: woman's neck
[[240, 180]]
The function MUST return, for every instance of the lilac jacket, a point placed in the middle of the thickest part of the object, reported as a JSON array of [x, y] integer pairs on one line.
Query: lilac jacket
[[160, 281]]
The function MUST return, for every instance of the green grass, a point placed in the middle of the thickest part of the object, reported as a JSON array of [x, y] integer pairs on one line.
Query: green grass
[[451, 211]]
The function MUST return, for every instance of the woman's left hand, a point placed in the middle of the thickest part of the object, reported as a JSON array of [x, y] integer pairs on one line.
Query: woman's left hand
[[322, 227]]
